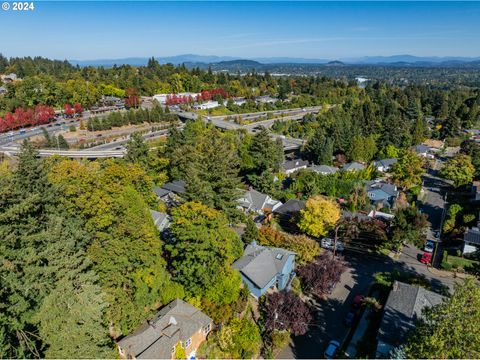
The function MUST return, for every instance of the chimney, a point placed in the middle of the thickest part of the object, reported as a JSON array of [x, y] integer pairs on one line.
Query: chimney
[[395, 285]]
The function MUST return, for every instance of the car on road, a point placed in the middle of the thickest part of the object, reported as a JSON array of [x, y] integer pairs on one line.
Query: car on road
[[348, 321], [426, 258], [328, 243], [331, 350], [429, 246]]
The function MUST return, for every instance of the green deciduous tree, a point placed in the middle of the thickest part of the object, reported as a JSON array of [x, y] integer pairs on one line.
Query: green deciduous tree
[[202, 247], [408, 171], [460, 170], [450, 330]]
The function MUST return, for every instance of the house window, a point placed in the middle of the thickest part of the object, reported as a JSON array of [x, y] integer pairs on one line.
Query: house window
[[187, 343], [206, 329]]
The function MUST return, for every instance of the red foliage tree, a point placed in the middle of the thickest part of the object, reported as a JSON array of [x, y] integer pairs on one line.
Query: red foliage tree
[[26, 117], [319, 275], [174, 99], [206, 95], [132, 100], [77, 107], [286, 311], [68, 110]]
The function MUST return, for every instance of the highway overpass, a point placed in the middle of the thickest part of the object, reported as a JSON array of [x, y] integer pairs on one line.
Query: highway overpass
[[72, 154]]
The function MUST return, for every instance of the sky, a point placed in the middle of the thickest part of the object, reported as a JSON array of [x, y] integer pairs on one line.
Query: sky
[[318, 30]]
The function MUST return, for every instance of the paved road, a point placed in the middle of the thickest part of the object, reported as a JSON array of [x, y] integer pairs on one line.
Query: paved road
[[356, 280], [434, 205]]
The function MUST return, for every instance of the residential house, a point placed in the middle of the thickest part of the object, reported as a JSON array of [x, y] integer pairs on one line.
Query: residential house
[[9, 78], [161, 220], [381, 193], [264, 268], [354, 166], [255, 201], [385, 165], [423, 151], [177, 323], [3, 90], [475, 190], [290, 209], [324, 169], [403, 309], [471, 240], [171, 192], [290, 166]]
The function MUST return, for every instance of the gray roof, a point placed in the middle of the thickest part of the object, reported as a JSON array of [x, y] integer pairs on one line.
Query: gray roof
[[472, 236], [261, 263], [389, 189], [176, 187], [177, 321], [255, 201], [353, 166], [290, 208], [325, 169], [354, 215], [160, 219], [385, 162], [294, 164], [404, 307], [420, 149]]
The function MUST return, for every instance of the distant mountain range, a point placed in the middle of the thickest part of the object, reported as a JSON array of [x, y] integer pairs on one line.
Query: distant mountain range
[[192, 59]]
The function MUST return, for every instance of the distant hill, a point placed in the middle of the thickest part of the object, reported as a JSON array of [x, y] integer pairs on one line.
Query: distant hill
[[192, 59], [335, 63]]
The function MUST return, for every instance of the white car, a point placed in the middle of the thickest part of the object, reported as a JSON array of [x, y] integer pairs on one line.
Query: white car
[[327, 243], [331, 349], [429, 246]]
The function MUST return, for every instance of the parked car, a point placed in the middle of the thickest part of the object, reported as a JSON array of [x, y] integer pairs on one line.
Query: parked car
[[357, 301], [426, 258], [429, 246], [327, 243], [332, 349], [348, 321]]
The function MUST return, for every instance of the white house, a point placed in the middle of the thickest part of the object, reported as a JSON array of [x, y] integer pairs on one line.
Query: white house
[[385, 165], [257, 202], [290, 166]]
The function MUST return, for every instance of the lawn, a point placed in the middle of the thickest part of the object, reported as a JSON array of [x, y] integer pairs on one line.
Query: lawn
[[450, 262]]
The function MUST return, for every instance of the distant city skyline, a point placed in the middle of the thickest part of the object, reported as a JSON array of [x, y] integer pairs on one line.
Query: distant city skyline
[[315, 30]]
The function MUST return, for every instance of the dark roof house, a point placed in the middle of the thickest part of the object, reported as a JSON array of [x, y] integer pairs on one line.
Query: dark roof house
[[157, 338], [290, 166], [169, 189], [290, 208], [471, 240], [403, 308]]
